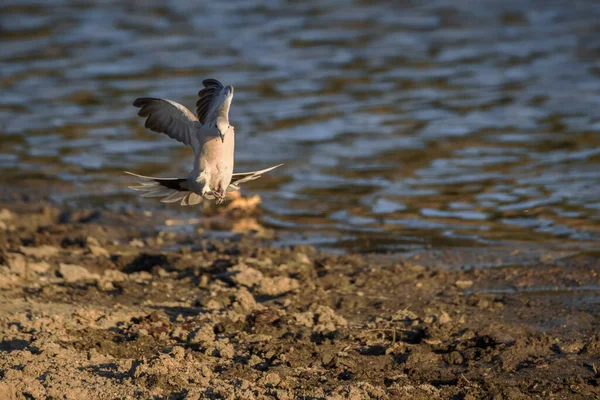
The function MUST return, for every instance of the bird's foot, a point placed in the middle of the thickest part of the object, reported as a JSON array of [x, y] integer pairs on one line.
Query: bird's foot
[[219, 196]]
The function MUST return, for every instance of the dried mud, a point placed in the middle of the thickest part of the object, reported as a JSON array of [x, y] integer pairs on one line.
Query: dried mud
[[95, 304]]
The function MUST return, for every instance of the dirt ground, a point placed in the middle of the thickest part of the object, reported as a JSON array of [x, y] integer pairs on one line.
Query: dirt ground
[[100, 304]]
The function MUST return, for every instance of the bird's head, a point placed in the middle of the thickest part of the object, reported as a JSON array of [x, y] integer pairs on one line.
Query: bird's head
[[224, 103], [223, 127]]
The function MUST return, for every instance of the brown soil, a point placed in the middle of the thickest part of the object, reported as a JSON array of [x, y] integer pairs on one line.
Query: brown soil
[[96, 304]]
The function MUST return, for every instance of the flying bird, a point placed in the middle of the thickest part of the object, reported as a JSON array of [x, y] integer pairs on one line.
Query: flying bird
[[210, 136]]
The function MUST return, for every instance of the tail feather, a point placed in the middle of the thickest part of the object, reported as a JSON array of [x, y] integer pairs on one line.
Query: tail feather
[[243, 177], [193, 199], [174, 197], [171, 189], [144, 187], [160, 192]]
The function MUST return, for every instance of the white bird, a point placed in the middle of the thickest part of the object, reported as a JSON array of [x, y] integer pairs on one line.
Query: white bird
[[210, 136]]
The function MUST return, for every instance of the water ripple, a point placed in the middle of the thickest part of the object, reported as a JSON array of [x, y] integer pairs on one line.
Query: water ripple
[[402, 124]]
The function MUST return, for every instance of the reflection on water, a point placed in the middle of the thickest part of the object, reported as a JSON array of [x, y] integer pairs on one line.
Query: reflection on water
[[402, 124]]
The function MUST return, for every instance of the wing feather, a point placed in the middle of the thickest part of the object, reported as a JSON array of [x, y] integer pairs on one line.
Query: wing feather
[[208, 95], [242, 177], [168, 117]]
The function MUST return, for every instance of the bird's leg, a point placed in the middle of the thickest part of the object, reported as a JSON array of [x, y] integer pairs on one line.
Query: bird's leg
[[219, 196]]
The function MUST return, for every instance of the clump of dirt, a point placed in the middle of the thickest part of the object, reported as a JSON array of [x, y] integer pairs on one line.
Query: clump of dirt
[[97, 305]]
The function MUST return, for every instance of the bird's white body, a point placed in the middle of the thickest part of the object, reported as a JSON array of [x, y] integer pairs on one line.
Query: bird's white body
[[210, 136], [213, 162]]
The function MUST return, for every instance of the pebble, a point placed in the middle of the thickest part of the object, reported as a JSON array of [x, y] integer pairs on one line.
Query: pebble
[[444, 318], [73, 273], [99, 251], [463, 284], [40, 252]]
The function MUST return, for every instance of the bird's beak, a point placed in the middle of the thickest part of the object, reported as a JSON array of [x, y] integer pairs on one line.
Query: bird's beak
[[222, 137]]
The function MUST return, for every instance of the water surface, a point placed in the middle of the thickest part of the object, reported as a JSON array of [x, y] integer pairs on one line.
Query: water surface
[[403, 125]]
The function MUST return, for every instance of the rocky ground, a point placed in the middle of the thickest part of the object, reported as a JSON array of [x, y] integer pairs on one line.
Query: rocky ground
[[99, 304]]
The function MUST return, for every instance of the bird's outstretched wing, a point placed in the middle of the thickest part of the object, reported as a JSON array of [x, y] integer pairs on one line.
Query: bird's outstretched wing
[[242, 177], [168, 117], [210, 99], [172, 190]]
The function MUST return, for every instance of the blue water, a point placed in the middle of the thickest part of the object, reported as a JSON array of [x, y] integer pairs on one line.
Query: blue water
[[402, 125]]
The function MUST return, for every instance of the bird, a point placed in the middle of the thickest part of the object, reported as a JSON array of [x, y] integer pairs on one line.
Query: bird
[[211, 137]]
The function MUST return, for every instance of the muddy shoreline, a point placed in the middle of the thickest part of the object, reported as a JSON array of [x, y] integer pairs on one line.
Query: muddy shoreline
[[98, 304]]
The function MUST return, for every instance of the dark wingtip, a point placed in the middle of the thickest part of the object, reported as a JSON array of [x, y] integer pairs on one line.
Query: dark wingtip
[[211, 82], [140, 101]]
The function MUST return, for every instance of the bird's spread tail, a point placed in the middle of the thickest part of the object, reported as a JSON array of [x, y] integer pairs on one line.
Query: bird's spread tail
[[171, 190]]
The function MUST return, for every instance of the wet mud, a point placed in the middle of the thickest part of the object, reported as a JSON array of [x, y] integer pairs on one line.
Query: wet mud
[[95, 304]]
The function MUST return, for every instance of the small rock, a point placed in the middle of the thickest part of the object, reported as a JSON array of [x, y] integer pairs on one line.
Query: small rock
[[8, 281], [40, 267], [444, 318], [10, 390], [569, 348], [73, 273], [105, 286], [137, 243], [114, 275], [6, 215], [17, 264], [419, 358], [141, 276], [453, 358], [305, 318], [246, 276], [98, 251], [592, 347], [277, 285], [254, 360], [94, 356], [178, 353], [302, 258], [213, 304], [205, 333], [483, 303], [225, 350], [328, 320], [245, 300], [416, 268], [261, 338], [267, 316], [91, 241], [501, 337], [404, 315], [272, 379], [40, 252], [463, 284]]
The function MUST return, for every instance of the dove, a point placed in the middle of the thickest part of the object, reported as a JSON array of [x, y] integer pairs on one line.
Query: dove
[[211, 137]]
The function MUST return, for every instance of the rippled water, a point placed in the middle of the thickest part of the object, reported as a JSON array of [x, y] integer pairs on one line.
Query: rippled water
[[402, 124]]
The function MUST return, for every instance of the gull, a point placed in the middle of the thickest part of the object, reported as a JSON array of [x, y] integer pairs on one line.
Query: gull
[[210, 136]]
